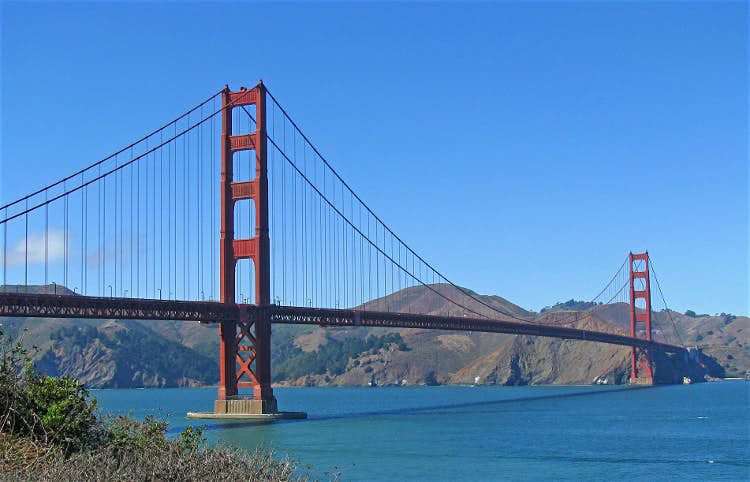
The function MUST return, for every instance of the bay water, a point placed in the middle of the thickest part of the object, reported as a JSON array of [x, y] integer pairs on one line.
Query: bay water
[[699, 431]]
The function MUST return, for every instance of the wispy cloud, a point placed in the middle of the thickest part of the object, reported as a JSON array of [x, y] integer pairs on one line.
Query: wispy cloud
[[34, 250]]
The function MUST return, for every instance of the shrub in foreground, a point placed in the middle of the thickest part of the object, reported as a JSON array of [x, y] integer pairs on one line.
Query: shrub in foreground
[[49, 431], [153, 457]]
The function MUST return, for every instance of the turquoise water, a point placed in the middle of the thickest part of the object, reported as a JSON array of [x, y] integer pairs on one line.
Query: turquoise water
[[487, 433]]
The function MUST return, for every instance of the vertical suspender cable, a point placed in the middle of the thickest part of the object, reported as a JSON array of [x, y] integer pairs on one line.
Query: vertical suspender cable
[[273, 227], [99, 236], [161, 212], [369, 261], [153, 222], [169, 220], [138, 226], [65, 238], [84, 234], [103, 210], [115, 228], [46, 240], [131, 230], [5, 250], [120, 228], [199, 162], [378, 286], [362, 254], [174, 208], [146, 210], [26, 249], [187, 231], [356, 277], [295, 268], [345, 243], [185, 172], [213, 197], [303, 195], [327, 248], [282, 213]]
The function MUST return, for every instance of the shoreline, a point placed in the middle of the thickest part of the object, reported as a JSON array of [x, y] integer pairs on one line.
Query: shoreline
[[431, 386]]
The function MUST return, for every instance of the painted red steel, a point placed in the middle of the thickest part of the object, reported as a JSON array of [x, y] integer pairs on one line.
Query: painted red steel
[[242, 143], [245, 342], [33, 305], [244, 190], [641, 367], [245, 248]]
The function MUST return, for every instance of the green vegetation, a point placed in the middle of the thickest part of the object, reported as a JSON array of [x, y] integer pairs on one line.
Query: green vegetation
[[50, 410], [693, 314], [290, 362], [79, 335], [571, 304], [49, 430]]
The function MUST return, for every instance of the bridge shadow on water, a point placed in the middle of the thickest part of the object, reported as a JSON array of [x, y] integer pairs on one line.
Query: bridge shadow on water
[[416, 410], [406, 411]]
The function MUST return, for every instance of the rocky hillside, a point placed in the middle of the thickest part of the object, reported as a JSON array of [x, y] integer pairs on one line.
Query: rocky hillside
[[724, 337], [120, 354], [115, 353]]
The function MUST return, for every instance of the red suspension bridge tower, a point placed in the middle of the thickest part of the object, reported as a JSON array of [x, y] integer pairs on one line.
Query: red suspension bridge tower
[[641, 369], [245, 343]]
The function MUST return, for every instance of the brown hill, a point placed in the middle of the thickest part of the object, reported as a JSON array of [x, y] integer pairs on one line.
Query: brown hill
[[445, 299]]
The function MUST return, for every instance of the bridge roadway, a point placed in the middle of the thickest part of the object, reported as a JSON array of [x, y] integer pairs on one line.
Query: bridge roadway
[[77, 306]]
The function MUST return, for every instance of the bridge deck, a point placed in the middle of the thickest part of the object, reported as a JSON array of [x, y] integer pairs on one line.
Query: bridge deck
[[342, 317], [72, 306], [76, 306]]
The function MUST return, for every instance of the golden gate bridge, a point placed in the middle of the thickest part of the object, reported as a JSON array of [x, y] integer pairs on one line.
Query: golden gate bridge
[[228, 214]]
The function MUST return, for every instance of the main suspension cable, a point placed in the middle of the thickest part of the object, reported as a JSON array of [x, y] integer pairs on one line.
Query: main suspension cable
[[97, 163], [462, 290], [669, 312]]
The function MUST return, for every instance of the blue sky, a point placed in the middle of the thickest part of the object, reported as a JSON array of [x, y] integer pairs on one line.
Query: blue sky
[[522, 148]]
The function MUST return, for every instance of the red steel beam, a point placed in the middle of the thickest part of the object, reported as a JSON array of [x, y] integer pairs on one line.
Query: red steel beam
[[76, 306]]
